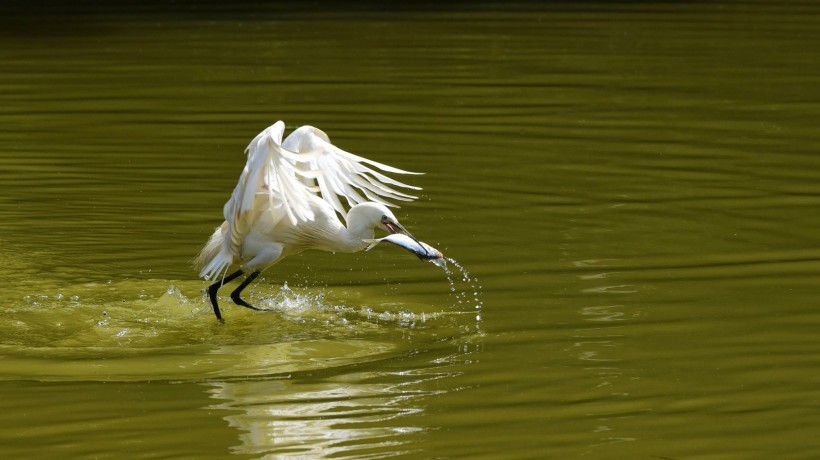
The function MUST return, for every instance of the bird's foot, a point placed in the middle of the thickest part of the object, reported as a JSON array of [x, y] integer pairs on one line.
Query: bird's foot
[[240, 301]]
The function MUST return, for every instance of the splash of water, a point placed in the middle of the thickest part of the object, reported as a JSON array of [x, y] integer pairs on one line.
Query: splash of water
[[469, 285], [312, 307], [439, 263], [291, 303]]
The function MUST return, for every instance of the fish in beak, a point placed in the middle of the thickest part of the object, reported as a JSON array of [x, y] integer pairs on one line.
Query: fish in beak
[[396, 227], [423, 251]]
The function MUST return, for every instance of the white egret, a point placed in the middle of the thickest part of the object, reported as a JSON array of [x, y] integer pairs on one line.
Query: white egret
[[287, 200]]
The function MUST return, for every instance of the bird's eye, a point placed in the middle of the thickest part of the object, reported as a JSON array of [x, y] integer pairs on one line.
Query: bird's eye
[[385, 219]]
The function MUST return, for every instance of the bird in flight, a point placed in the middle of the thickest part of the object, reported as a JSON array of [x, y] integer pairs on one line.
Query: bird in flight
[[289, 199]]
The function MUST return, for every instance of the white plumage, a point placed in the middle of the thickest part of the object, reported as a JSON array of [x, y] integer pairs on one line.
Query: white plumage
[[287, 200]]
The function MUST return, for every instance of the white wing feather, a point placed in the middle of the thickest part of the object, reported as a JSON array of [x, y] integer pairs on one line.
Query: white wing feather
[[337, 173], [303, 168], [306, 165]]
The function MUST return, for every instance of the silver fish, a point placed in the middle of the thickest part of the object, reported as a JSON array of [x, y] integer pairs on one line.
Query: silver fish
[[422, 250]]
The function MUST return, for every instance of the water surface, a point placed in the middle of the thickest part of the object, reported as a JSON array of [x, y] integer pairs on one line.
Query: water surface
[[632, 188]]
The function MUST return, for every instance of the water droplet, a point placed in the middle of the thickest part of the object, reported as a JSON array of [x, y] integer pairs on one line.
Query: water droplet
[[461, 295], [439, 263]]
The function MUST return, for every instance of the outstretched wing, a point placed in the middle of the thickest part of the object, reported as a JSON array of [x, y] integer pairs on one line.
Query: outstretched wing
[[333, 173], [303, 167]]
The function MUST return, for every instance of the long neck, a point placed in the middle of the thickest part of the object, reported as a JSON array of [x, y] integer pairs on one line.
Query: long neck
[[328, 233], [350, 238], [361, 219]]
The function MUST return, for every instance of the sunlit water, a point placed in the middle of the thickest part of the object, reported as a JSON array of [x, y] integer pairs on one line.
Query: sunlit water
[[626, 194]]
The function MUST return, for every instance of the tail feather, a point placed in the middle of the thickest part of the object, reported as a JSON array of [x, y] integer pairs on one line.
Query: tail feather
[[217, 267], [215, 258]]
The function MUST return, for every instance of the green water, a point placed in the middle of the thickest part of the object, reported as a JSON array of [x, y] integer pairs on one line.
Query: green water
[[632, 187]]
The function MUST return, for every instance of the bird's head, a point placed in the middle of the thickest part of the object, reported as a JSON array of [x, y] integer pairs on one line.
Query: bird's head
[[377, 215]]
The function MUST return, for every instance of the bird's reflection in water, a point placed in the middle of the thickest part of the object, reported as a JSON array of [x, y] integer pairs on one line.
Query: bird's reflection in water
[[345, 397], [314, 419], [333, 413]]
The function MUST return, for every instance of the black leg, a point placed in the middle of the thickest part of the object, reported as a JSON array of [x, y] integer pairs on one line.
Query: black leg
[[235, 294], [215, 287]]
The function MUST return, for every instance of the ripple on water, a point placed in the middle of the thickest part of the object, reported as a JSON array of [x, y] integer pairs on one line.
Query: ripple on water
[[122, 331]]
